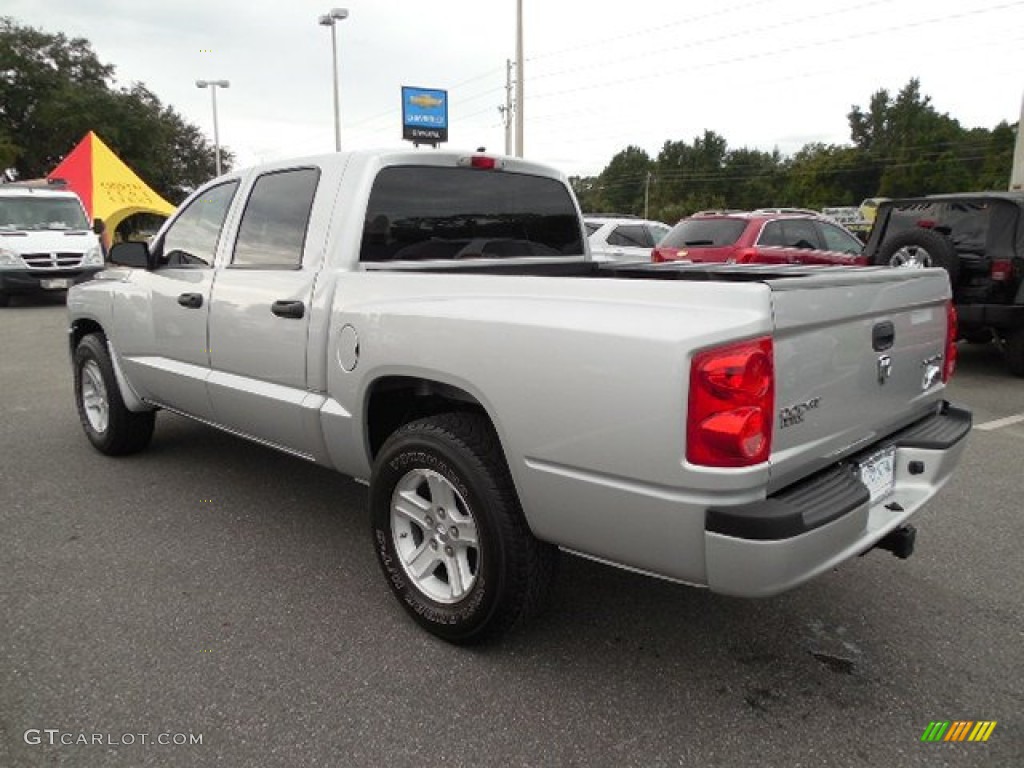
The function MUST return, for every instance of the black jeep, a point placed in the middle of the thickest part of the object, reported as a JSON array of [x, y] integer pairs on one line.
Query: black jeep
[[978, 238]]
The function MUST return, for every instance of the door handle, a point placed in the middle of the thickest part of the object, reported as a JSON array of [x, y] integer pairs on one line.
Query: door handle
[[191, 300], [293, 309]]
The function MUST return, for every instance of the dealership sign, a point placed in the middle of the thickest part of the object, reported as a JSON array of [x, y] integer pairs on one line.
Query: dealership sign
[[424, 115]]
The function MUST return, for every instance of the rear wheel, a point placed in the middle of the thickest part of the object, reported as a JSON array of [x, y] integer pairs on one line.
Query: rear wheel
[[109, 425], [919, 248], [449, 532]]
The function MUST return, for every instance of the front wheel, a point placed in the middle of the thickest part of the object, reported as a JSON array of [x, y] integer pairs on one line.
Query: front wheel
[[109, 425], [450, 535]]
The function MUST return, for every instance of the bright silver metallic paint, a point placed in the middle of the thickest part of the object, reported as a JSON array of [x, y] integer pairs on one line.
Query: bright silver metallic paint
[[585, 380]]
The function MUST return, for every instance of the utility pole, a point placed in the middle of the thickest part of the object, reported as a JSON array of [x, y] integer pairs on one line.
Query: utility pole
[[1017, 171], [507, 110], [519, 78], [647, 194]]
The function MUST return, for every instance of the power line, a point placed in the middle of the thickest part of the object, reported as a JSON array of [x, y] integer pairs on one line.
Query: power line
[[759, 55]]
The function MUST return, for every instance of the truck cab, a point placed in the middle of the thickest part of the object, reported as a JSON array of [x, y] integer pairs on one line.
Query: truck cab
[[46, 241]]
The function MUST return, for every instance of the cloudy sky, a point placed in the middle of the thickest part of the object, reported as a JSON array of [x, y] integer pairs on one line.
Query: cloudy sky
[[599, 75]]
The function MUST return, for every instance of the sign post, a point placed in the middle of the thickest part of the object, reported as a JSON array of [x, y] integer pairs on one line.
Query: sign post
[[424, 115]]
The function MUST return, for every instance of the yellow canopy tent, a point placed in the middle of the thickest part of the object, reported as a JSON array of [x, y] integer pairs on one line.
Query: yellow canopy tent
[[109, 189]]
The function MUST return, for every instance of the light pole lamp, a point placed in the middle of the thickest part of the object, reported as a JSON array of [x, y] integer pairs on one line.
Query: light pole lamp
[[330, 20], [213, 85]]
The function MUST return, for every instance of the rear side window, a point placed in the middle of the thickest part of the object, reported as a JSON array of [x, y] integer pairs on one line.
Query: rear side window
[[631, 236], [425, 213], [704, 233], [273, 228]]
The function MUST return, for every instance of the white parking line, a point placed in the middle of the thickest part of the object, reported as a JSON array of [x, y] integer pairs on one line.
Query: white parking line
[[988, 426]]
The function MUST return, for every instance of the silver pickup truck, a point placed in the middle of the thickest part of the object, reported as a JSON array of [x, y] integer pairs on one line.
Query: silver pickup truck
[[432, 323]]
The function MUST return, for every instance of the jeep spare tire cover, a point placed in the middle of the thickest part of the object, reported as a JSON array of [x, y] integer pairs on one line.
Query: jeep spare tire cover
[[918, 248]]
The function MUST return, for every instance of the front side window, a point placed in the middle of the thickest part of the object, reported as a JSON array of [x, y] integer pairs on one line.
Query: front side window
[[838, 240], [658, 232], [272, 232], [191, 241], [425, 213]]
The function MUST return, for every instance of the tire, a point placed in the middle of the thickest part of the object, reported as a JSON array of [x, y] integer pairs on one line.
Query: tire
[[450, 535], [109, 425], [1014, 351], [918, 248]]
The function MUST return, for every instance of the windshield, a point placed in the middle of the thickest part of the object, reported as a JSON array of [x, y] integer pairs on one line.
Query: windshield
[[30, 213], [704, 232]]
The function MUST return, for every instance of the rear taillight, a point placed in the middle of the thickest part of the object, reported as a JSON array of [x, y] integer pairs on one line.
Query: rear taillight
[[1002, 270], [949, 361], [664, 254], [732, 396]]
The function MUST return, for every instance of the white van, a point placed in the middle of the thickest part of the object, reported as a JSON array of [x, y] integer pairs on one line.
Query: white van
[[46, 242]]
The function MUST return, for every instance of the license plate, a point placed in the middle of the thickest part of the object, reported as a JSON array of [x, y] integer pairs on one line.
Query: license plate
[[877, 472], [55, 284]]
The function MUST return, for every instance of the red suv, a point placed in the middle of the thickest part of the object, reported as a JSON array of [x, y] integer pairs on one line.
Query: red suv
[[760, 237]]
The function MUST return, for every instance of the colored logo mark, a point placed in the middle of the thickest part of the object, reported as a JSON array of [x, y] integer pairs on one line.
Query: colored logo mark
[[958, 730], [426, 101]]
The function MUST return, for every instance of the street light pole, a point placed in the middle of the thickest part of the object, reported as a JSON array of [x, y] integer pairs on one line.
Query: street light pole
[[519, 78], [213, 85], [330, 20]]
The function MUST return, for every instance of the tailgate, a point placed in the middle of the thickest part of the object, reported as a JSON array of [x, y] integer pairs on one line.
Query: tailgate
[[855, 357]]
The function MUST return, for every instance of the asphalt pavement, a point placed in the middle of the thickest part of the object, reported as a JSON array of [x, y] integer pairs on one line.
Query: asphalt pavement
[[211, 590]]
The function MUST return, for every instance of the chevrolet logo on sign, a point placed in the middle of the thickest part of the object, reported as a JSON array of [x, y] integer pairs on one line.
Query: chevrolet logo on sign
[[426, 100]]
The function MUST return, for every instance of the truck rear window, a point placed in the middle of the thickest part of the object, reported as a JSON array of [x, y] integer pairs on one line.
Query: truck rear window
[[426, 213], [965, 222]]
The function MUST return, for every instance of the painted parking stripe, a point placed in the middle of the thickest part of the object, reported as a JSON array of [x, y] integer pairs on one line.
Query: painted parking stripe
[[988, 426]]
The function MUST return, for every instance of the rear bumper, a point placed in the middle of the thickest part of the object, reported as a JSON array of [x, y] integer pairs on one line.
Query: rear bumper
[[766, 547], [998, 316], [29, 281]]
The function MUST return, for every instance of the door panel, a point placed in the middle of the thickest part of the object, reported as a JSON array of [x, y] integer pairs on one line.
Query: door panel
[[259, 317], [259, 359], [162, 322]]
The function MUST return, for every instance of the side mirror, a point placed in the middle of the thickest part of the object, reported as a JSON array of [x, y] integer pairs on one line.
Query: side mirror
[[98, 226], [130, 254]]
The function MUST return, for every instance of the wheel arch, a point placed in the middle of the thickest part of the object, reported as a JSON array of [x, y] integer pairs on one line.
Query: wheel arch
[[395, 400], [80, 328]]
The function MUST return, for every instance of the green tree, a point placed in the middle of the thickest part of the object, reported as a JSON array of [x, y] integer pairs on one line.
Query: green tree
[[622, 182], [54, 90], [820, 175], [752, 178], [909, 148]]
